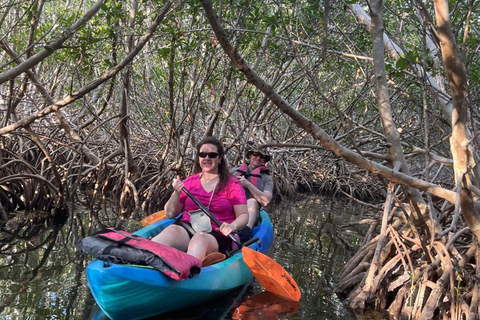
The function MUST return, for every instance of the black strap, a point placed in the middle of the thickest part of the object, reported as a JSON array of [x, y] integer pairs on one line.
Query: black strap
[[249, 174], [115, 243], [120, 232], [108, 249], [187, 227]]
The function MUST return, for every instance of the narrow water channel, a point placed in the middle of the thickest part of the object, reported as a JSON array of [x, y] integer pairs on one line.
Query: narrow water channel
[[314, 237]]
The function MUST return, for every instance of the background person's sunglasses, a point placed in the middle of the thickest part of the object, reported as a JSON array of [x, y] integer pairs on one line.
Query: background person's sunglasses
[[211, 155], [257, 154]]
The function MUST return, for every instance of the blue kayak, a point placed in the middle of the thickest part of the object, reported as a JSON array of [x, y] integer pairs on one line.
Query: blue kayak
[[137, 292]]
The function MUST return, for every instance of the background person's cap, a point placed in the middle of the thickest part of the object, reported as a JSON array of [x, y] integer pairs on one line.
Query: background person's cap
[[262, 152]]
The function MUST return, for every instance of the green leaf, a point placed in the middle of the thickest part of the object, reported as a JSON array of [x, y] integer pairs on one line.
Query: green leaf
[[164, 52], [401, 63]]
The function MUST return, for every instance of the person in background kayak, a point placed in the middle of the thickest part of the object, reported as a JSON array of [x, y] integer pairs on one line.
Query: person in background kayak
[[216, 189], [258, 185]]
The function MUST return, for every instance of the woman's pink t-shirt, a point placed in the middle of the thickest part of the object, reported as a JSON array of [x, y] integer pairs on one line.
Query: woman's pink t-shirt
[[222, 201]]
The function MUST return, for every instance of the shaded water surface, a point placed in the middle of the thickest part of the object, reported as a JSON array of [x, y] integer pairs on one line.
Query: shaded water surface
[[42, 276]]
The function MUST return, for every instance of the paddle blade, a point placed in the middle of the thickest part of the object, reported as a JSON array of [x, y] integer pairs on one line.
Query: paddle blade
[[154, 217], [271, 275]]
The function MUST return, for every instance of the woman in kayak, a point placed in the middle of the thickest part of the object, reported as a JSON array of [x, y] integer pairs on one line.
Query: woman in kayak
[[216, 189]]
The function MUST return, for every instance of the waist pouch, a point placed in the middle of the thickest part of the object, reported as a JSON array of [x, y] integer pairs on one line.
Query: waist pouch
[[118, 246], [200, 222]]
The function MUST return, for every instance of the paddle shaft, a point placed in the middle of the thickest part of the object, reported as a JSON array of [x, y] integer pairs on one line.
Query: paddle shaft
[[209, 214]]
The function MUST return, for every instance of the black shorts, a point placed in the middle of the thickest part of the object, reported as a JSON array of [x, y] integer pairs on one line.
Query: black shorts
[[224, 243]]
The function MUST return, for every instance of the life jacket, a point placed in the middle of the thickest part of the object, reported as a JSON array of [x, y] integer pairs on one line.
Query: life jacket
[[118, 246], [255, 176]]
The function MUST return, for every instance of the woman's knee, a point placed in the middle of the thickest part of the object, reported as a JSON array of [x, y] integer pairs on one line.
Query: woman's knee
[[205, 240], [173, 235], [201, 237]]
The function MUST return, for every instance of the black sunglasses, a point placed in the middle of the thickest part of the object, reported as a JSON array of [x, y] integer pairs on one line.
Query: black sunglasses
[[258, 154], [211, 155]]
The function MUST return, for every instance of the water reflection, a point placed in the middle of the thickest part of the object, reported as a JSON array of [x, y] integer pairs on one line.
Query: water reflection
[[313, 246], [265, 306], [43, 276]]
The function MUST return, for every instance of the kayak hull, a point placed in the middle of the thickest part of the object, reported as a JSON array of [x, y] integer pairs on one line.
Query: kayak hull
[[134, 292]]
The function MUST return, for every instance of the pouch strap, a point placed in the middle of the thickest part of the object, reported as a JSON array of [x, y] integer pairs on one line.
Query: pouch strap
[[187, 227]]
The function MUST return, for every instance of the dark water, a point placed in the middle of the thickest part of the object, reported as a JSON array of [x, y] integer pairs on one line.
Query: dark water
[[42, 275]]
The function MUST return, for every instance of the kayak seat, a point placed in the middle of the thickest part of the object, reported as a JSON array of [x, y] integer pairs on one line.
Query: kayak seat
[[213, 258]]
